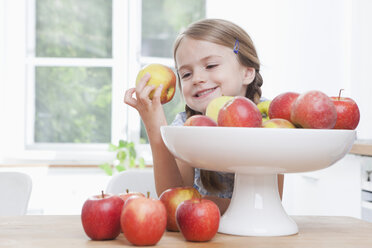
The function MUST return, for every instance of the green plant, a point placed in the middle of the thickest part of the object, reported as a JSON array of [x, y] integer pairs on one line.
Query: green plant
[[126, 157]]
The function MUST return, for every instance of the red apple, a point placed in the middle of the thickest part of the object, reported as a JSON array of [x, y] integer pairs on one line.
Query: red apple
[[160, 74], [143, 220], [278, 123], [314, 109], [240, 112], [348, 114], [171, 198], [100, 216], [198, 219], [281, 105], [128, 194], [200, 120]]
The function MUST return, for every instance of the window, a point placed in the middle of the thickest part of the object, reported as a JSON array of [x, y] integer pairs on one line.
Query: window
[[162, 21], [83, 54], [70, 64]]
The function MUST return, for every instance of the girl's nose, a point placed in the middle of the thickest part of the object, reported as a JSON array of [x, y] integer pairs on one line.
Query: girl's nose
[[199, 76]]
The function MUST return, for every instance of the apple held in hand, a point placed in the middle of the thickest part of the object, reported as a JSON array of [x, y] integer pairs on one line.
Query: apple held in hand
[[215, 106], [281, 105], [348, 114], [100, 216], [277, 123], [143, 220], [171, 198], [240, 112], [160, 74], [199, 120], [263, 107], [314, 109], [198, 219]]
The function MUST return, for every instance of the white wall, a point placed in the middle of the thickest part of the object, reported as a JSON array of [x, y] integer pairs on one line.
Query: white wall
[[361, 63], [12, 77], [309, 44], [2, 66]]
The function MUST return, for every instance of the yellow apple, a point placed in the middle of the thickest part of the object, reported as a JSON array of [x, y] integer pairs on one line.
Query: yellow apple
[[173, 197], [277, 123], [160, 75], [215, 105], [264, 109]]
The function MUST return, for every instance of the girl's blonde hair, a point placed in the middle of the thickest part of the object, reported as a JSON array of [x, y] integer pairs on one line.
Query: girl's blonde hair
[[227, 34]]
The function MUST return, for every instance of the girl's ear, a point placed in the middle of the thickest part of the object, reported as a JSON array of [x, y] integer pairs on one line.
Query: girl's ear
[[249, 75]]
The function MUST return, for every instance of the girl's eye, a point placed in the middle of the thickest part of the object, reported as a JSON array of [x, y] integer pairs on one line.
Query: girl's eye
[[185, 75], [211, 66]]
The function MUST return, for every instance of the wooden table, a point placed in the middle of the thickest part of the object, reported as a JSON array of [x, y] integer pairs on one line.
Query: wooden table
[[361, 148], [67, 232]]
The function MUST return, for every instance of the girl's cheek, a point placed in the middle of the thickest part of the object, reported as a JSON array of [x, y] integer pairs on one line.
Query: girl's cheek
[[184, 90]]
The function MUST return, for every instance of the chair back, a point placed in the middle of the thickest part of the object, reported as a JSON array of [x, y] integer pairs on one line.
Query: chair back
[[15, 191], [135, 180]]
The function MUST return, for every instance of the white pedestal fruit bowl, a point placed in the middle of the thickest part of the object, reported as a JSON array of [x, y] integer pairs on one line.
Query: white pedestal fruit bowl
[[257, 156]]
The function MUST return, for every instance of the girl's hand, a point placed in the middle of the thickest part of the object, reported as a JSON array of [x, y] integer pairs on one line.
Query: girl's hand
[[142, 100], [149, 109]]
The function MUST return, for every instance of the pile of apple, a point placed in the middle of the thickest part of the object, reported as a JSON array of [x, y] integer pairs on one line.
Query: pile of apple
[[312, 109], [143, 220]]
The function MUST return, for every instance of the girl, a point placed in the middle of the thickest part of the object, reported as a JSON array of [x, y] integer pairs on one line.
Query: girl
[[213, 57]]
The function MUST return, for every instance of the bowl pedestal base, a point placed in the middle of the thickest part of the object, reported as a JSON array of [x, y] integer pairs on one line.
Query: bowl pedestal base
[[256, 209]]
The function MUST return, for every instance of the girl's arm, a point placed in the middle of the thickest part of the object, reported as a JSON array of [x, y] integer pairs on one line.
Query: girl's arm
[[166, 172], [280, 185]]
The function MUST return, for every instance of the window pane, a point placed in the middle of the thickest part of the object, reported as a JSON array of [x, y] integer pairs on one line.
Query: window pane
[[73, 105], [74, 28], [162, 21]]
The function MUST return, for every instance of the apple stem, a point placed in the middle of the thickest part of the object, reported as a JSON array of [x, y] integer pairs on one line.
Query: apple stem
[[103, 195], [148, 194], [127, 190], [339, 94]]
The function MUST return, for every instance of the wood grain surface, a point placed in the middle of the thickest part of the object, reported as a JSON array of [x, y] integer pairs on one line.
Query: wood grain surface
[[67, 232]]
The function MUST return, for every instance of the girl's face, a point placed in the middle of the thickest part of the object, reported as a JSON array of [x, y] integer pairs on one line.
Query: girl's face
[[208, 70]]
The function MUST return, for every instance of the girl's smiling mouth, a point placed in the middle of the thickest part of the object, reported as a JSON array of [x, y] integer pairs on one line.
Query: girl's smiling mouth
[[205, 92]]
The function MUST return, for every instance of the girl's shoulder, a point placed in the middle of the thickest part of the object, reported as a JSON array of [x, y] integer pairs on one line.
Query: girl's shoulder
[[179, 120]]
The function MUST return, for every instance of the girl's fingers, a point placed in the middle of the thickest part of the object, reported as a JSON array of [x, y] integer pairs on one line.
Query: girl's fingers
[[142, 83], [144, 94], [157, 94], [129, 99]]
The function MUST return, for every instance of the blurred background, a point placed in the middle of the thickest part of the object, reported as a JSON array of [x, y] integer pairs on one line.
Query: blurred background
[[65, 65]]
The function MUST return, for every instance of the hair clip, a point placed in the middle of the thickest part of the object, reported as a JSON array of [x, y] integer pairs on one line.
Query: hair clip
[[236, 46]]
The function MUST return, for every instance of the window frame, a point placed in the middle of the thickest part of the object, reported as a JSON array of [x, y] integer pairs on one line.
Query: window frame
[[124, 63], [117, 64]]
